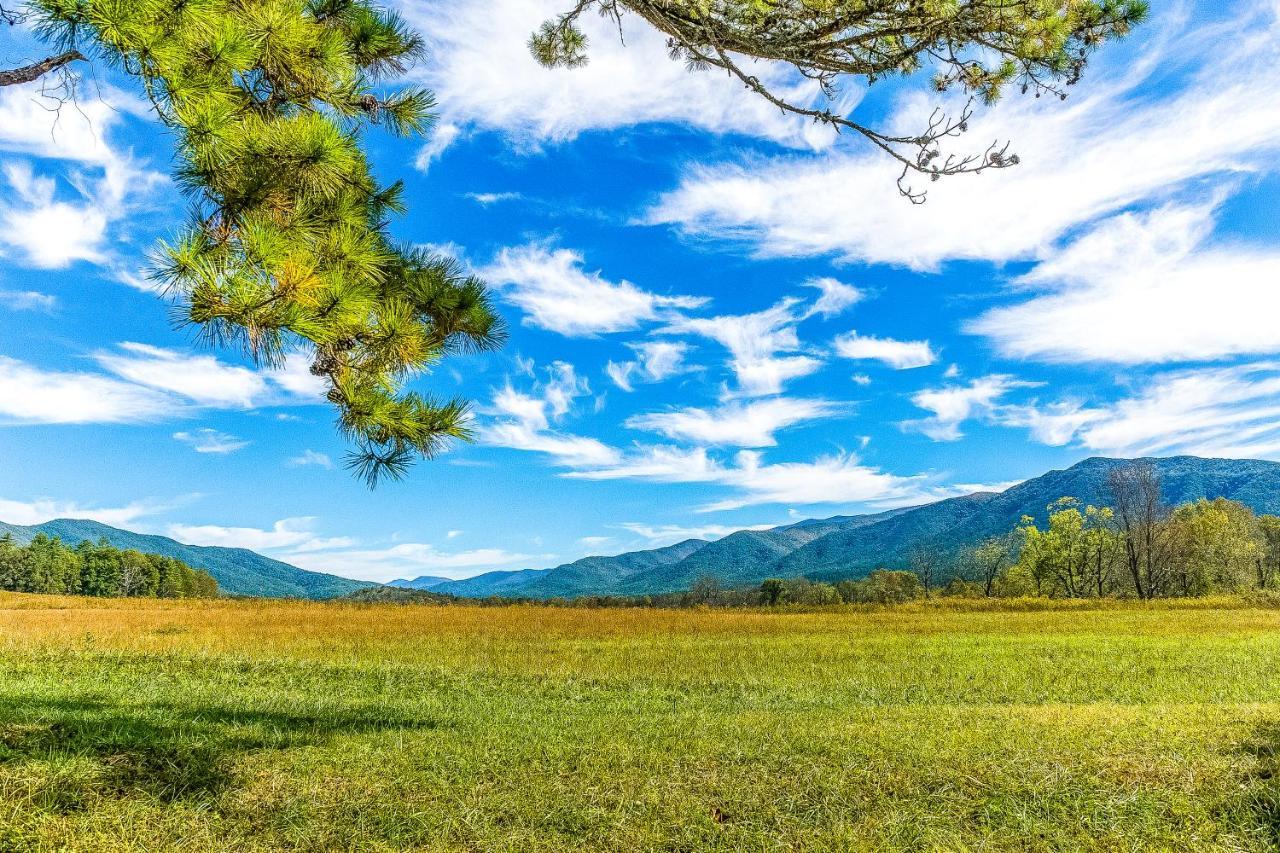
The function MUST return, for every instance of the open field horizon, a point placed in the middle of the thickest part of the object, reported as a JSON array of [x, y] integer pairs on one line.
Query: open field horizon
[[267, 725]]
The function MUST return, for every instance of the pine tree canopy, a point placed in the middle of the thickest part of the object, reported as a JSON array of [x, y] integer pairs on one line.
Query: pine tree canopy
[[978, 46], [287, 244]]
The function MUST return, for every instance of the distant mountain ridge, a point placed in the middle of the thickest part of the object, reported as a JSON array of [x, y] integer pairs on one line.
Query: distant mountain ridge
[[821, 549], [423, 584], [851, 546], [238, 571]]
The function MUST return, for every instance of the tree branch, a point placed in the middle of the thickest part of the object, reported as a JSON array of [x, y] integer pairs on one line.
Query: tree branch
[[34, 72]]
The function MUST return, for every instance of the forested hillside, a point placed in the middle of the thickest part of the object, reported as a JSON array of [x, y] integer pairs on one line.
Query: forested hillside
[[850, 547]]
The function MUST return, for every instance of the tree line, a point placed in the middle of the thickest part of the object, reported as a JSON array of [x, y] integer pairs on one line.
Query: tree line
[[1137, 547], [48, 566]]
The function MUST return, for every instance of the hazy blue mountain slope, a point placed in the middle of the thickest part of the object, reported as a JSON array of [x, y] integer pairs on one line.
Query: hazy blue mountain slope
[[426, 582], [507, 583], [588, 576], [237, 570]]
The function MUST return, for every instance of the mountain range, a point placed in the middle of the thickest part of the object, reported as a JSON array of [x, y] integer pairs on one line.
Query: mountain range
[[851, 546], [238, 571], [821, 549]]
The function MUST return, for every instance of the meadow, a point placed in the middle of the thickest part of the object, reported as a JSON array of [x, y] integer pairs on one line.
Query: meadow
[[247, 725]]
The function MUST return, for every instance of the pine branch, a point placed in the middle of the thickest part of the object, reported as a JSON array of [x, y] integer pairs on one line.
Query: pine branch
[[28, 73]]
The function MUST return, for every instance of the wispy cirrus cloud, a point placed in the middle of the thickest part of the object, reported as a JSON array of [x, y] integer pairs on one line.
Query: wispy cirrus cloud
[[655, 361], [952, 405], [40, 510], [140, 383], [1139, 288], [1216, 411], [64, 210], [753, 423], [31, 395], [556, 293], [765, 352], [835, 297], [531, 421], [1177, 109], [526, 420], [207, 440], [28, 300], [900, 355], [480, 66], [310, 458]]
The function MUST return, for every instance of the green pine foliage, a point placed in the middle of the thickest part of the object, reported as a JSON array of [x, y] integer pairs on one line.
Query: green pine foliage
[[48, 567], [287, 242], [978, 46], [981, 45]]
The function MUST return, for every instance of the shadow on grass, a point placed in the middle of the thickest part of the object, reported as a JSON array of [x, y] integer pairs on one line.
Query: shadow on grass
[[167, 751], [1261, 788]]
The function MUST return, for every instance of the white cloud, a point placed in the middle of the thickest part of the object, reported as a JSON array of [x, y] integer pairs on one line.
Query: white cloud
[[486, 199], [406, 560], [900, 355], [46, 509], [655, 361], [310, 457], [954, 404], [480, 67], [202, 378], [286, 533], [1136, 129], [523, 421], [208, 440], [620, 374], [735, 424], [34, 396], [31, 125], [1221, 411], [836, 479], [149, 384], [38, 224], [208, 381], [659, 463], [49, 234], [443, 135], [27, 300], [837, 297], [296, 379], [1143, 288], [658, 535], [527, 421], [557, 294], [756, 343]]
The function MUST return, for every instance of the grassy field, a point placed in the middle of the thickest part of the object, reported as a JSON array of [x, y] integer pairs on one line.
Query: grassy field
[[157, 725]]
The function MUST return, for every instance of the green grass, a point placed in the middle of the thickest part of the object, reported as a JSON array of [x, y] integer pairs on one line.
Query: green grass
[[247, 725]]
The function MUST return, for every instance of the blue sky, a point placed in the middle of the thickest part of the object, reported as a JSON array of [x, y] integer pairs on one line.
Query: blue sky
[[721, 317]]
